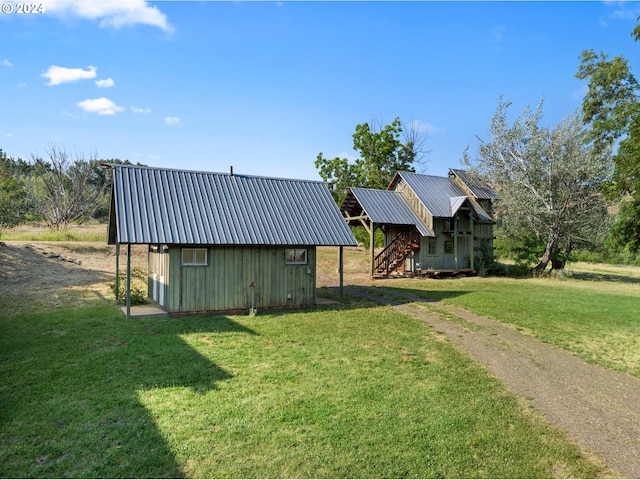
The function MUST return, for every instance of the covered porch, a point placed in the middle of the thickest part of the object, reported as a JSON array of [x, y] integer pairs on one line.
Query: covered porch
[[389, 212]]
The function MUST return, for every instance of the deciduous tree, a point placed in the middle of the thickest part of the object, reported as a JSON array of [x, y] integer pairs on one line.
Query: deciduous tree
[[611, 108], [13, 208], [549, 183], [65, 188], [383, 149]]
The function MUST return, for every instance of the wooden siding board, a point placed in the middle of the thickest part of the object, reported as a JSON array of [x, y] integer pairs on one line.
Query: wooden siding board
[[225, 283]]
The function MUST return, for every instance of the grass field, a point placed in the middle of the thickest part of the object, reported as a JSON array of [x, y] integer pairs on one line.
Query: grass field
[[76, 233], [598, 320], [356, 390], [352, 392]]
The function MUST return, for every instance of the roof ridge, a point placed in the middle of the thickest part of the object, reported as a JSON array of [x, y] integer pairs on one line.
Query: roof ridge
[[204, 172]]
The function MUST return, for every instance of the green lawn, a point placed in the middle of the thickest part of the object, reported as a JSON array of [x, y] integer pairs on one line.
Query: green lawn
[[597, 320], [358, 391]]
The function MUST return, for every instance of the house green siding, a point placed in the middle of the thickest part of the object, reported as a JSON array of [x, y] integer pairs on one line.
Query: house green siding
[[441, 224], [234, 278]]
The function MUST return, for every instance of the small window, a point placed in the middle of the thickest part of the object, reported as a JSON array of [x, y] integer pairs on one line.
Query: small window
[[295, 256], [448, 246], [431, 245], [194, 256]]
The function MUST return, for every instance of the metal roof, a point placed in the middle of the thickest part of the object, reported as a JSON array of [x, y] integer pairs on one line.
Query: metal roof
[[481, 192], [385, 206], [163, 206], [441, 195], [433, 192]]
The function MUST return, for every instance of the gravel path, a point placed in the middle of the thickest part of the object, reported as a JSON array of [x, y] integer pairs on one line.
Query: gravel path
[[598, 408]]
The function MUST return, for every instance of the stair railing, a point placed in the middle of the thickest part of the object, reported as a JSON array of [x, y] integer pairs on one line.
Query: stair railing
[[384, 259]]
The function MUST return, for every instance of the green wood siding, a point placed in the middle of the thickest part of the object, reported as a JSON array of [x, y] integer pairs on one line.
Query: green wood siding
[[466, 242], [236, 276]]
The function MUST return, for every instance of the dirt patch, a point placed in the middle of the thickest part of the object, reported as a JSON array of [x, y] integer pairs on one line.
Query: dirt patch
[[598, 408], [51, 273]]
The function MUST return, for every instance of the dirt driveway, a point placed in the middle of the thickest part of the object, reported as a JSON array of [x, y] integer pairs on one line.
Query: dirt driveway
[[598, 408]]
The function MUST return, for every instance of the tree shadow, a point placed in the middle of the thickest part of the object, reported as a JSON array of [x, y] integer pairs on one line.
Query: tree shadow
[[604, 277], [70, 390], [359, 296]]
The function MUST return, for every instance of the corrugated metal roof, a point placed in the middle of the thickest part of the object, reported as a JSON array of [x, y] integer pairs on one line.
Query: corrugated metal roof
[[384, 206], [434, 192], [455, 203], [441, 195], [162, 206], [481, 192]]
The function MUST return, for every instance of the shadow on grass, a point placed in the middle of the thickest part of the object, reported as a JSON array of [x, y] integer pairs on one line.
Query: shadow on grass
[[69, 383], [364, 296], [605, 277]]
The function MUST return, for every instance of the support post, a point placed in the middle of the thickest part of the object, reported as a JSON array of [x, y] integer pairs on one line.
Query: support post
[[128, 280], [472, 242], [117, 272], [341, 270], [455, 241], [372, 253]]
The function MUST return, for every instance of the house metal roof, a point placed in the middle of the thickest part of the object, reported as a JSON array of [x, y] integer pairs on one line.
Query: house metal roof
[[163, 206], [441, 195], [481, 192], [388, 207], [434, 192]]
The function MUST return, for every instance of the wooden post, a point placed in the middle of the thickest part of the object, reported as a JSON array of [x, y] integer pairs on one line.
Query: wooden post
[[372, 252], [117, 272], [455, 241], [471, 241], [128, 280], [341, 270]]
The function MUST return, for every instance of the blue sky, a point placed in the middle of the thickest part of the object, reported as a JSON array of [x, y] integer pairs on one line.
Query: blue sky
[[266, 86]]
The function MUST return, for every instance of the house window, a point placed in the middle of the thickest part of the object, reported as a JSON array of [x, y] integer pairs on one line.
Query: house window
[[431, 245], [448, 246], [194, 256], [295, 256]]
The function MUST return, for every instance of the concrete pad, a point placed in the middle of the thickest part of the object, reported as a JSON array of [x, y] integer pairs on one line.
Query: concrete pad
[[326, 301], [145, 311]]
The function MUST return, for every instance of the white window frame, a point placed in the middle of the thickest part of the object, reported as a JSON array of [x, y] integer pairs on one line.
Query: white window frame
[[194, 258], [294, 256]]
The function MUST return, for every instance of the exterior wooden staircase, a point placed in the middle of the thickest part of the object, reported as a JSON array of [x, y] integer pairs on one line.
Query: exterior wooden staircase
[[391, 259]]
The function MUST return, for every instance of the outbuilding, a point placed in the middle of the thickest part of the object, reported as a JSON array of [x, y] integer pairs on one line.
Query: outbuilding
[[223, 241], [432, 225]]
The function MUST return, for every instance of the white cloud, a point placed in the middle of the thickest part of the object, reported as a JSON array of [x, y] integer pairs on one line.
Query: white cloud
[[112, 13], [423, 127], [6, 63], [142, 111], [350, 156], [171, 120], [101, 106], [58, 75], [106, 83]]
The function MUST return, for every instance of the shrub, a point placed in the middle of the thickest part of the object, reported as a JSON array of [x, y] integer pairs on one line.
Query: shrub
[[138, 292]]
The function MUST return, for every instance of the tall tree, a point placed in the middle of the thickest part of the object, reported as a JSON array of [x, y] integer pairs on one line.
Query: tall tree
[[611, 108], [383, 149], [65, 188], [549, 182], [13, 200]]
